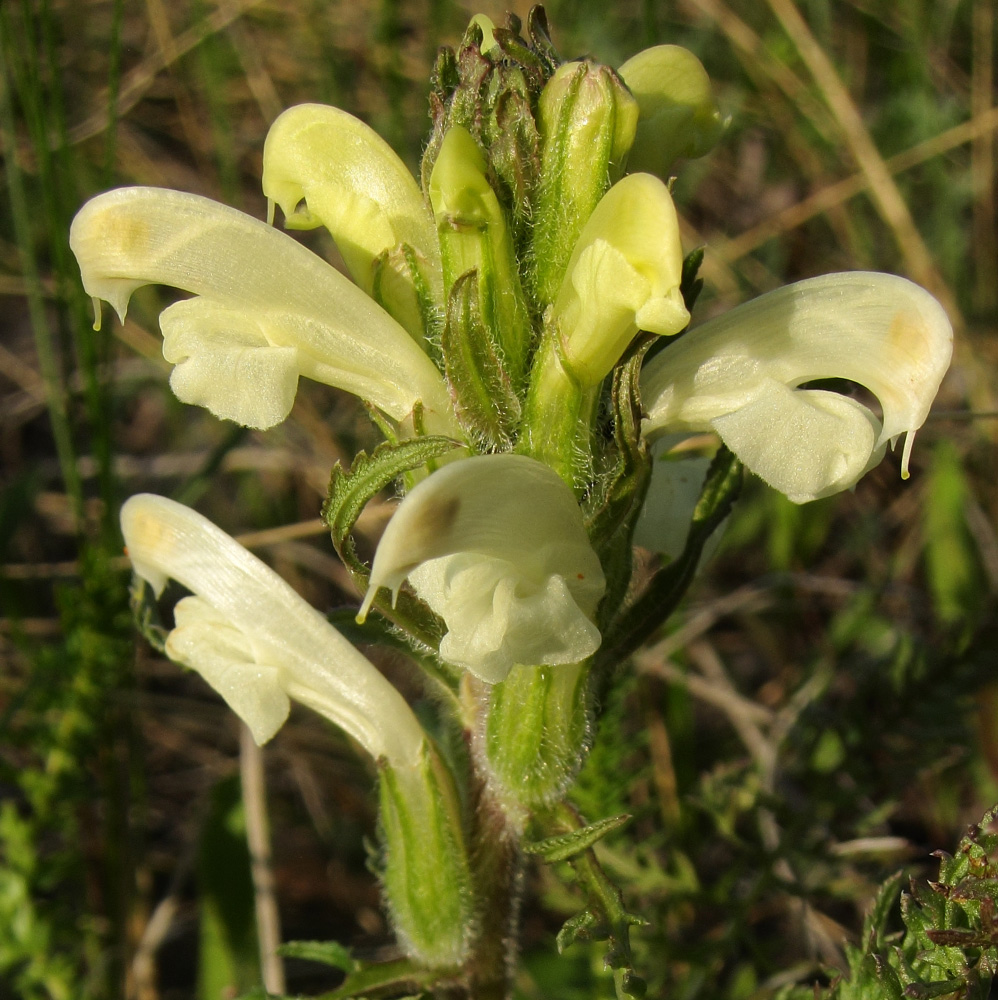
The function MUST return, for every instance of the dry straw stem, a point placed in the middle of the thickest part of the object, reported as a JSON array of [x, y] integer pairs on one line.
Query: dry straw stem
[[762, 66], [252, 540], [979, 128], [982, 159], [886, 195], [138, 81], [167, 48], [268, 923]]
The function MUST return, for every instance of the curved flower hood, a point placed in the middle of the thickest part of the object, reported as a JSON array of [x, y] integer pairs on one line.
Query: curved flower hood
[[678, 116], [352, 182], [255, 641], [623, 276], [496, 545], [740, 375], [267, 310]]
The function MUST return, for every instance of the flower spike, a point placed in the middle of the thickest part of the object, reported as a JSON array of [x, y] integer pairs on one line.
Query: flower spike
[[496, 545], [741, 375]]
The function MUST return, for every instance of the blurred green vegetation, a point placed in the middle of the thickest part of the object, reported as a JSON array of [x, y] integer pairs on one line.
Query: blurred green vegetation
[[823, 711]]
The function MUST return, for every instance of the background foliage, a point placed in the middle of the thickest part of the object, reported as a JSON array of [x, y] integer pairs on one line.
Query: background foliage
[[823, 711]]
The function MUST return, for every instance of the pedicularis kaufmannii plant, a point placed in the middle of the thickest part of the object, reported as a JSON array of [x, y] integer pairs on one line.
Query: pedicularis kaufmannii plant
[[519, 325]]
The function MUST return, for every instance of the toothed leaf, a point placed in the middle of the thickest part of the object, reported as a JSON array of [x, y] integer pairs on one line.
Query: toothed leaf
[[568, 845], [577, 928], [327, 952]]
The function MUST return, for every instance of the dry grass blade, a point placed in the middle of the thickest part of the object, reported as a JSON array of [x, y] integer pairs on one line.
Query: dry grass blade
[[138, 81], [979, 129], [982, 159], [885, 192]]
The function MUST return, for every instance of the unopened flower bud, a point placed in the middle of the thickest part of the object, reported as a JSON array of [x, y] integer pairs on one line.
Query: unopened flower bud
[[587, 119], [678, 115]]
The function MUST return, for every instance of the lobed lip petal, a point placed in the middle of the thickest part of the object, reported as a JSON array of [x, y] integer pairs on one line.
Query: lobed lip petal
[[205, 641], [224, 362], [623, 276], [497, 546], [806, 443], [255, 640], [739, 375], [255, 281], [351, 182]]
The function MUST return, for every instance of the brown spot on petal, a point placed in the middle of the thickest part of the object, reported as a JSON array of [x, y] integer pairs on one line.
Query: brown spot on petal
[[131, 233], [434, 522], [908, 334]]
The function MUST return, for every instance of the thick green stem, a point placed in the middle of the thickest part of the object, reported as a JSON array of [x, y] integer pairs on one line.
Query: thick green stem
[[497, 867]]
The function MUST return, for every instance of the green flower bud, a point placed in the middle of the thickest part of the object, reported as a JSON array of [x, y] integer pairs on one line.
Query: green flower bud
[[425, 876], [474, 237], [587, 120], [678, 115]]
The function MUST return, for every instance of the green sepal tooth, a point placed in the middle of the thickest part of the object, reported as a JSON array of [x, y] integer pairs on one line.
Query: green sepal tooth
[[145, 612], [621, 491], [661, 597], [539, 33], [351, 490], [929, 991], [633, 986], [458, 95], [485, 400], [384, 979], [400, 287], [514, 153], [518, 52], [888, 978], [875, 924]]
